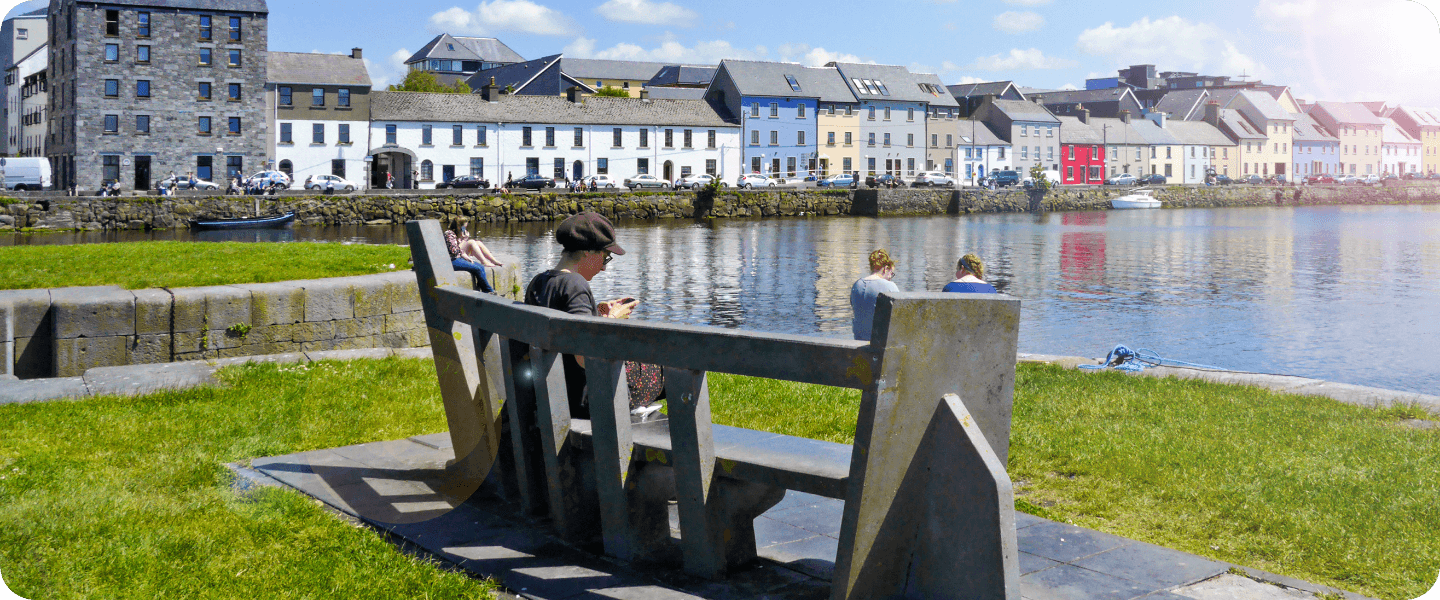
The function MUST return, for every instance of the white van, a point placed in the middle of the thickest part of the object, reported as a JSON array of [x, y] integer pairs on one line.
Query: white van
[[26, 173]]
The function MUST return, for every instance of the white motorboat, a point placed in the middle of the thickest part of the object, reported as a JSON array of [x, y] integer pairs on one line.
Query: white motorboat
[[1138, 199]]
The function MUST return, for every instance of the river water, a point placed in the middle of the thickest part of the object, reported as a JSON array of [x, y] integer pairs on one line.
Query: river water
[[1349, 294]]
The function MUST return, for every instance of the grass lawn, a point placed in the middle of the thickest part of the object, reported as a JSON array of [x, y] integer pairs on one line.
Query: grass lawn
[[114, 497], [140, 265]]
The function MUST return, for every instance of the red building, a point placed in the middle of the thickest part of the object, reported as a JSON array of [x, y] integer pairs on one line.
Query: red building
[[1082, 153]]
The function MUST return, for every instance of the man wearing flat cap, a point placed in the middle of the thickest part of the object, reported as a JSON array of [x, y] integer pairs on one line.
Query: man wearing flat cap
[[589, 245]]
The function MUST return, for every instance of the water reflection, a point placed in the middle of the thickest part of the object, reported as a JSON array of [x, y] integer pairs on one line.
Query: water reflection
[[1341, 293]]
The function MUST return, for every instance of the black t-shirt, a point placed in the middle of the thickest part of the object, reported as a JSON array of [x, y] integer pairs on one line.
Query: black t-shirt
[[568, 292]]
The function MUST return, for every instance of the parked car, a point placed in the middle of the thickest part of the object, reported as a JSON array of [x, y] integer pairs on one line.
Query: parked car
[[1122, 179], [1389, 176], [837, 181], [754, 180], [26, 173], [696, 181], [1151, 179], [645, 180], [464, 181], [1223, 180], [1347, 180], [1252, 179], [932, 179], [323, 182], [1433, 176], [1371, 179], [601, 182], [533, 181], [1316, 179], [183, 183], [1005, 178], [269, 180]]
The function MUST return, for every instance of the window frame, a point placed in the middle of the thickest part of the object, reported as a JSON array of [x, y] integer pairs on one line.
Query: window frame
[[112, 88], [111, 124], [233, 91], [317, 133], [142, 88], [142, 24], [287, 95], [206, 57], [234, 126], [233, 58], [317, 100], [235, 27], [342, 97], [142, 54], [287, 133], [342, 134], [204, 125], [112, 50], [207, 28]]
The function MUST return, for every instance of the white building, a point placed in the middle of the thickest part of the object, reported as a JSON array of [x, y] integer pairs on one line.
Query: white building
[[498, 137], [319, 107], [26, 98], [1399, 153], [979, 151], [20, 36]]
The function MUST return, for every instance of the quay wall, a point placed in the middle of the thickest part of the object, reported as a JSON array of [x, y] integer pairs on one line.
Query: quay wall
[[137, 212], [63, 332]]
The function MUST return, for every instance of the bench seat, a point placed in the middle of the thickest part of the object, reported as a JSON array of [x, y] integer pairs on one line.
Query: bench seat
[[801, 464]]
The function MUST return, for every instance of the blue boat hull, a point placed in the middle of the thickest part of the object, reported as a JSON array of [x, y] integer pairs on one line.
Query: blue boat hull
[[275, 222]]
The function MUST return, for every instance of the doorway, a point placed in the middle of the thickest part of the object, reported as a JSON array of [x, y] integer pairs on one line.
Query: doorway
[[142, 173], [669, 170], [577, 171], [447, 172]]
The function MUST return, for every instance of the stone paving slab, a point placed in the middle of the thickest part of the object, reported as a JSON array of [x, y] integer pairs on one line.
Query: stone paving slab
[[41, 390], [134, 380]]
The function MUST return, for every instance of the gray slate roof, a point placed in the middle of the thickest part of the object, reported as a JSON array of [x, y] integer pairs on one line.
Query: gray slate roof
[[1266, 105], [756, 78], [1080, 96], [898, 81], [1238, 126], [513, 75], [1023, 110], [683, 75], [590, 68], [319, 69], [446, 46], [676, 93], [1423, 116], [472, 108], [942, 96], [978, 134], [232, 6], [1153, 134], [1183, 104], [1072, 131], [989, 88], [1117, 132], [1349, 112], [490, 49], [1393, 134], [1197, 133], [1307, 129]]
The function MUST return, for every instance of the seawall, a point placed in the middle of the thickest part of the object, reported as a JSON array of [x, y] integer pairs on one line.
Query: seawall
[[92, 213]]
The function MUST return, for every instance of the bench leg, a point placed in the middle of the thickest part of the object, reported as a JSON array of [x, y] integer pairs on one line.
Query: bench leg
[[733, 514]]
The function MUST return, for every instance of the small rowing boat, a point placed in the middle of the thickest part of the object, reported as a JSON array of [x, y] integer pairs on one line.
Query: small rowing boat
[[1138, 199], [274, 222]]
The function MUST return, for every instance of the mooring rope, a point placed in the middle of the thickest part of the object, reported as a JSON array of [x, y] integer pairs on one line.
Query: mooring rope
[[1125, 359]]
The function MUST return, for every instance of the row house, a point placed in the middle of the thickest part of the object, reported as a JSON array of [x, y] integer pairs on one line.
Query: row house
[[1032, 132], [1232, 160], [1422, 124], [776, 104], [1273, 156], [1200, 143], [128, 83], [1399, 153], [319, 111], [892, 117], [1104, 103], [27, 100], [941, 125], [837, 121], [979, 150], [970, 96], [502, 136], [1317, 152], [1165, 154], [1082, 153], [21, 36], [1359, 132], [1126, 149]]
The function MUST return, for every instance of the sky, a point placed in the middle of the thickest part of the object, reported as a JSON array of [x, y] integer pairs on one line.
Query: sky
[[1338, 50]]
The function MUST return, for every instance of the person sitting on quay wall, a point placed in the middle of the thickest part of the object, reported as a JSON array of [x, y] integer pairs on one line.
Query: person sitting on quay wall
[[469, 255], [589, 245], [970, 277], [868, 288]]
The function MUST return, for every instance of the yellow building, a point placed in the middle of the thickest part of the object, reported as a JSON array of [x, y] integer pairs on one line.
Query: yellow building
[[839, 142], [1422, 124], [1237, 160], [1360, 134]]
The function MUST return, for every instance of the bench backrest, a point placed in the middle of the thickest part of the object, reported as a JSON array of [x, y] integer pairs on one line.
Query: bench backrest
[[910, 436]]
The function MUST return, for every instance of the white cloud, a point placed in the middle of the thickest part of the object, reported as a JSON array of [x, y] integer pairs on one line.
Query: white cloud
[[1019, 60], [968, 79], [1068, 86], [390, 70], [1170, 43], [669, 50], [1027, 2], [646, 12], [1018, 22], [521, 16], [816, 57]]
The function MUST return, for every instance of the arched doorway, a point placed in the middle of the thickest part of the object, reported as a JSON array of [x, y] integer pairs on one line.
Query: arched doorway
[[393, 160], [669, 171], [577, 171], [288, 168]]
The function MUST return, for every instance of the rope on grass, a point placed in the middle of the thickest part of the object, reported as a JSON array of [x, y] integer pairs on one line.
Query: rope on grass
[[1125, 359]]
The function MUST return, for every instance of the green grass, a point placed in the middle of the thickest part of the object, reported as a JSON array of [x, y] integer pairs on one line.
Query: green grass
[[1301, 486], [140, 265], [129, 498]]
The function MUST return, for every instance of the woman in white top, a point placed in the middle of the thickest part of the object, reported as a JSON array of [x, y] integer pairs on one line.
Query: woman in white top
[[868, 288]]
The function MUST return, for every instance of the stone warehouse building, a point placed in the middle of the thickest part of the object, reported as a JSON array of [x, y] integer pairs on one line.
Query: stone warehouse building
[[140, 88]]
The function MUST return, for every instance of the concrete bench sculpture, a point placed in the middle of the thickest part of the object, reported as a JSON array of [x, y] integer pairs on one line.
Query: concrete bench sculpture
[[928, 505]]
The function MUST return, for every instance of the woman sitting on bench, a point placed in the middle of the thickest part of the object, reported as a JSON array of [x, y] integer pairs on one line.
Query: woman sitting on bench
[[469, 255]]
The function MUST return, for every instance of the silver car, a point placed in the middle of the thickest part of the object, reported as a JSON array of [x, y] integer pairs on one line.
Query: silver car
[[696, 181], [646, 180], [932, 179]]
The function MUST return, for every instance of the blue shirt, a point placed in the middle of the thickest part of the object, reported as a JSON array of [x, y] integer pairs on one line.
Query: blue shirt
[[862, 299], [968, 287]]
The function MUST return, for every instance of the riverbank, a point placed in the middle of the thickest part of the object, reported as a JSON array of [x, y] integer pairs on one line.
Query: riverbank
[[140, 213]]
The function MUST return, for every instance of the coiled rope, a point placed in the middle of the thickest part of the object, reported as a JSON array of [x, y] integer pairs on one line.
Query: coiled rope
[[1125, 359]]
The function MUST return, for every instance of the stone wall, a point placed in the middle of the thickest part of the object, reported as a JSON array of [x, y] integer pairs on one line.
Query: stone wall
[[63, 212], [62, 332]]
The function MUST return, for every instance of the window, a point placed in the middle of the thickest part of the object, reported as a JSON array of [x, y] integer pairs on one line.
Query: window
[[794, 85], [949, 141], [1024, 130], [426, 137], [203, 164], [142, 54], [457, 135], [317, 97], [559, 168], [525, 137], [800, 138], [872, 114], [206, 32], [800, 111], [755, 109], [427, 171], [343, 97], [644, 140], [480, 135], [112, 123], [549, 137], [112, 88], [22, 34], [234, 57], [887, 139], [790, 166], [477, 166], [669, 138], [710, 139], [112, 52], [934, 140], [112, 166], [774, 138], [205, 57], [909, 114], [142, 24], [755, 137], [847, 138], [142, 88], [112, 23], [1071, 152], [204, 91], [317, 133], [343, 136], [642, 165], [774, 109], [234, 166], [1049, 132], [234, 125], [910, 166], [1024, 153], [872, 139], [830, 138], [390, 134], [285, 133], [234, 92], [579, 137], [616, 138], [602, 166], [234, 29], [870, 166], [687, 139], [204, 126], [910, 139]]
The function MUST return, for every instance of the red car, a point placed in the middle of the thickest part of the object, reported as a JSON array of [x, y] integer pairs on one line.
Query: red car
[[1319, 179]]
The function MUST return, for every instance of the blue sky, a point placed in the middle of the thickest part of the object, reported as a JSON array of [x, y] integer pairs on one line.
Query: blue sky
[[1325, 49]]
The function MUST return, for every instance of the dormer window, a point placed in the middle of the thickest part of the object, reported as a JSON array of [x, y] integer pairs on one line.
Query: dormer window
[[860, 87], [884, 91], [794, 85], [451, 47]]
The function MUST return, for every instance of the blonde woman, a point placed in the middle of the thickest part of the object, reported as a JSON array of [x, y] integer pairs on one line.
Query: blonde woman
[[970, 277], [868, 288], [469, 255]]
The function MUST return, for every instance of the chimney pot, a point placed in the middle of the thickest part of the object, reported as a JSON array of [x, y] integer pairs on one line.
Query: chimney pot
[[574, 96], [1125, 116], [357, 53], [644, 94]]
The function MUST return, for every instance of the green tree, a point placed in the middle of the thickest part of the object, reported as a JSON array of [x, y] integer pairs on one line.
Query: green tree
[[1037, 173], [612, 92], [424, 81]]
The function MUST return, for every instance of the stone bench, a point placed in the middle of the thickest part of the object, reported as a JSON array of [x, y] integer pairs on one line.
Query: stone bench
[[928, 506]]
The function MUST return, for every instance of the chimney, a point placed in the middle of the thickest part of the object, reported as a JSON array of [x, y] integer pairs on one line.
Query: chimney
[[574, 96], [1125, 117], [1212, 113], [488, 91], [1160, 118], [357, 53], [1083, 114], [644, 94]]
